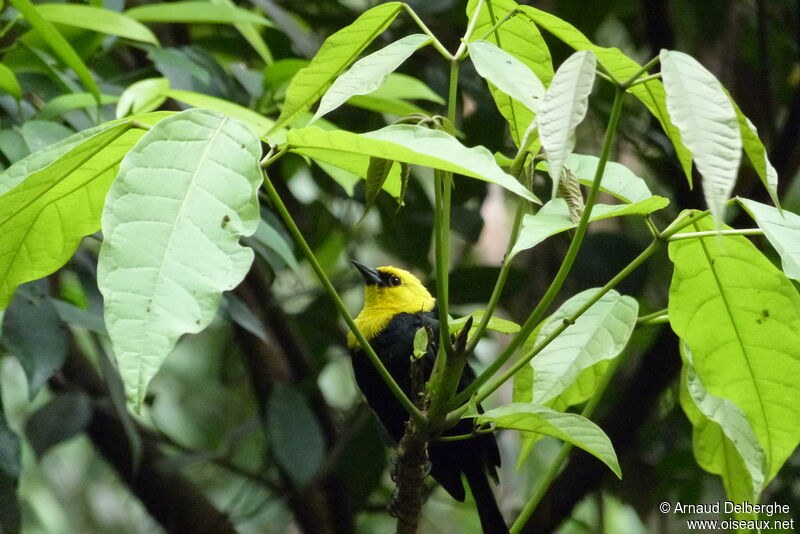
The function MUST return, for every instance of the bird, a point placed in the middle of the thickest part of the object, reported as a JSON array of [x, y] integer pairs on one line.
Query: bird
[[396, 305]]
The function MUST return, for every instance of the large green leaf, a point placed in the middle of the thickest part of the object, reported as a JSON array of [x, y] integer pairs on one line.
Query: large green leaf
[[61, 419], [566, 372], [50, 200], [651, 93], [568, 427], [520, 38], [57, 43], [782, 229], [171, 224], [705, 116], [741, 317], [564, 107], [368, 74], [554, 218], [409, 144], [722, 439], [193, 12], [507, 73], [337, 52], [97, 19]]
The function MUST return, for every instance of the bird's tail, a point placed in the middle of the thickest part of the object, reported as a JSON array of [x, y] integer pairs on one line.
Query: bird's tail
[[492, 520]]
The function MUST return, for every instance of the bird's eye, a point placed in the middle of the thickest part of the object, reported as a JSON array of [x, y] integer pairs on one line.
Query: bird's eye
[[394, 281]]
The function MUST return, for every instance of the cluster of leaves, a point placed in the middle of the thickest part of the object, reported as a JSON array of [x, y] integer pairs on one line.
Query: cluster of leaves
[[175, 193]]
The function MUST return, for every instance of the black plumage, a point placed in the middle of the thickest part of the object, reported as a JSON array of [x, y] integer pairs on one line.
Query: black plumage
[[477, 458]]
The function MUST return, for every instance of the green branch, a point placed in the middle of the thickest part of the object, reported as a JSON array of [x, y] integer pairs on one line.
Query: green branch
[[566, 265], [695, 235], [436, 43], [326, 283]]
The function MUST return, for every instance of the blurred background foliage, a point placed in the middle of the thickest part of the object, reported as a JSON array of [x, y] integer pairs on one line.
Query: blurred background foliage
[[256, 424]]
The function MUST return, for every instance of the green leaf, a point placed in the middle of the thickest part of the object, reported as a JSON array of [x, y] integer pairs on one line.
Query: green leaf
[[269, 237], [650, 93], [337, 52], [722, 438], [554, 218], [497, 324], [377, 173], [757, 154], [251, 34], [368, 74], [409, 144], [741, 317], [41, 350], [171, 223], [50, 200], [568, 427], [259, 124], [520, 38], [72, 101], [97, 19], [64, 417], [343, 177], [76, 316], [564, 107], [404, 87], [9, 83], [421, 343], [192, 12], [295, 435], [58, 44], [507, 73], [782, 229], [401, 108], [566, 372], [703, 113], [142, 96], [243, 316]]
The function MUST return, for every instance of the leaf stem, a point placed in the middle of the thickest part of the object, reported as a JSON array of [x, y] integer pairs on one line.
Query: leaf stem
[[646, 79], [647, 66], [467, 34], [326, 283], [566, 323], [558, 462], [695, 235], [499, 23], [651, 316], [436, 43], [566, 265]]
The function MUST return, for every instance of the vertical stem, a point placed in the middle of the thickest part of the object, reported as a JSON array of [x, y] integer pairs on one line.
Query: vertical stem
[[337, 301], [566, 265]]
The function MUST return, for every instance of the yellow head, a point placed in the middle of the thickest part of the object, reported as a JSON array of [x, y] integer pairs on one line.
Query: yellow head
[[388, 291]]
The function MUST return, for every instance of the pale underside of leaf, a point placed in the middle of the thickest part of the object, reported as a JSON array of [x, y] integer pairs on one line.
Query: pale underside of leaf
[[564, 107], [598, 336], [368, 74], [782, 229], [172, 222], [507, 73], [703, 113]]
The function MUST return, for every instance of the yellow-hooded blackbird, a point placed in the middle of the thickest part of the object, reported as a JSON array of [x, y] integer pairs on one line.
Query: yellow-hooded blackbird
[[396, 305]]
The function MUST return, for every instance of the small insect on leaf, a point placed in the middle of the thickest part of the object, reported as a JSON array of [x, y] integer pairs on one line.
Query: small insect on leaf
[[225, 220]]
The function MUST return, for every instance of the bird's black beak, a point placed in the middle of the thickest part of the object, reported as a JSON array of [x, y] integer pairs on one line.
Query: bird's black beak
[[371, 276]]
